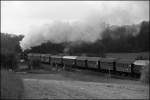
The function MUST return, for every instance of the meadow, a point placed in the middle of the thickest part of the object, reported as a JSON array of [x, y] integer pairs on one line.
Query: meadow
[[11, 85]]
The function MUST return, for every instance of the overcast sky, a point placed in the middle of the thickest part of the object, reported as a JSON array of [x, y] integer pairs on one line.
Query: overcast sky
[[19, 17]]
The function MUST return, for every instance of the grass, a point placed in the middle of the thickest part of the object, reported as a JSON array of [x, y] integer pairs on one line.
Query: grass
[[66, 83], [76, 75], [11, 85]]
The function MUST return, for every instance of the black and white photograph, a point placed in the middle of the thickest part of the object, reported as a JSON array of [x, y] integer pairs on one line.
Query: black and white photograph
[[75, 49]]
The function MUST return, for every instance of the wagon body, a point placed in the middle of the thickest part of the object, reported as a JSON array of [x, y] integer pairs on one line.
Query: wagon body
[[56, 59], [107, 63], [124, 65], [69, 60], [93, 62], [81, 62]]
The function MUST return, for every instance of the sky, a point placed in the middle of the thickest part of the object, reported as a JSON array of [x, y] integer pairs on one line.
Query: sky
[[19, 17]]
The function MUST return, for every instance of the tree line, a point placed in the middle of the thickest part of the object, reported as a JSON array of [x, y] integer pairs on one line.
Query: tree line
[[120, 39]]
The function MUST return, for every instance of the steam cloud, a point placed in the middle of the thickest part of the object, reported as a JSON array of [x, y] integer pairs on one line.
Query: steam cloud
[[88, 29], [59, 31]]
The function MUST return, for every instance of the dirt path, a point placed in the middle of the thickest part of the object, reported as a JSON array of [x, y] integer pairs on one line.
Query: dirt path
[[56, 89]]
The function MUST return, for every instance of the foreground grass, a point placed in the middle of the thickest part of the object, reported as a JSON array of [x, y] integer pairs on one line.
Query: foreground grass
[[52, 84], [61, 89], [11, 85]]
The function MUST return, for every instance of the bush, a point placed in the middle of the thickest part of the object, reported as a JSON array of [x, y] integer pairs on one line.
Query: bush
[[11, 86], [145, 75], [9, 61]]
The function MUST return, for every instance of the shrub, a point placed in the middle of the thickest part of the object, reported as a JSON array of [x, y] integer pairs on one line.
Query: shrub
[[9, 61], [11, 86]]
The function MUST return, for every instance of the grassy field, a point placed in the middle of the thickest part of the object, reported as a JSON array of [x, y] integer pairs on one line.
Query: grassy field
[[87, 75], [60, 89], [78, 84], [51, 84], [11, 85]]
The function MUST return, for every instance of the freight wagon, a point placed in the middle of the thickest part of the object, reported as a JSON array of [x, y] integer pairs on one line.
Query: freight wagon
[[127, 66], [93, 62], [56, 60], [69, 60], [108, 64], [81, 62]]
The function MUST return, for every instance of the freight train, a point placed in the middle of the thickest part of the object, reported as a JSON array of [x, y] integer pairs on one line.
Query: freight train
[[130, 67]]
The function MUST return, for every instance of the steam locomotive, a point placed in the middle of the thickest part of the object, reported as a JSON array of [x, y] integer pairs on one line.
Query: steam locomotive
[[112, 65]]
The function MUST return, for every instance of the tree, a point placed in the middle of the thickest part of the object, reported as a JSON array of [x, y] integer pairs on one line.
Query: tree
[[9, 49]]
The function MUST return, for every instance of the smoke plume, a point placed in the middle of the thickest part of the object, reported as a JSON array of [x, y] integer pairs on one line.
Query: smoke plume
[[87, 29], [59, 31]]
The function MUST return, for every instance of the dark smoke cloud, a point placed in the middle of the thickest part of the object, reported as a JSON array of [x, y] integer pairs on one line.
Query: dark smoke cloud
[[87, 30]]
